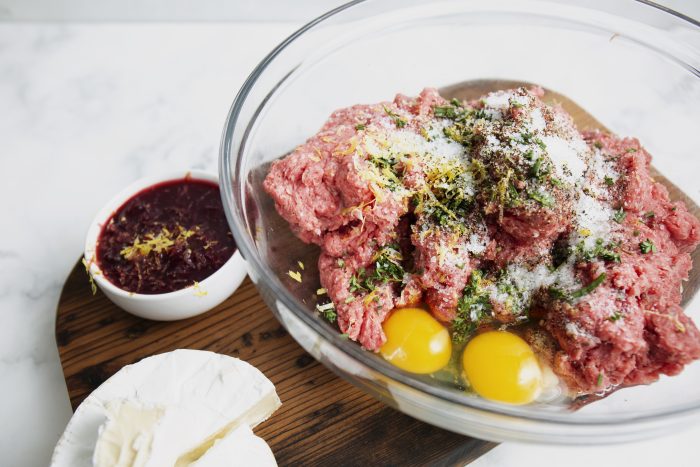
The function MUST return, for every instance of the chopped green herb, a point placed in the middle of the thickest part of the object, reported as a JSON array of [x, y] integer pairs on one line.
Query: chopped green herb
[[398, 121], [543, 198], [599, 251], [473, 307], [600, 379], [598, 145], [589, 288], [344, 336], [619, 215], [360, 126], [616, 316], [446, 111], [327, 311], [631, 150], [535, 169], [341, 263], [649, 214], [609, 181], [559, 294], [647, 246], [387, 268]]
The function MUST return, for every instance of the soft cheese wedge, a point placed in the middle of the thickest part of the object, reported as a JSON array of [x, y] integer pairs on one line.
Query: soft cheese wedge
[[166, 410], [240, 447], [125, 439]]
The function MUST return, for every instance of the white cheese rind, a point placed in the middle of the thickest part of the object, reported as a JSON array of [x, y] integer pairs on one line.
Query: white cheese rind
[[238, 448], [209, 390]]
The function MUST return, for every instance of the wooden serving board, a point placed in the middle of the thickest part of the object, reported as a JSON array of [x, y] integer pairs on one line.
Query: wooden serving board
[[324, 420]]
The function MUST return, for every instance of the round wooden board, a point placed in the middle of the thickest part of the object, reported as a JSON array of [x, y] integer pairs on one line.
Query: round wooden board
[[323, 420]]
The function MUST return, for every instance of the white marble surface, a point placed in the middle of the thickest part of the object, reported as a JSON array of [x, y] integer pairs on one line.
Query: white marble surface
[[86, 110]]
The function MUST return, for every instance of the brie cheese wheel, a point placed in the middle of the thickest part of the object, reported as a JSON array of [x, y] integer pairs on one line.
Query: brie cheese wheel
[[166, 410], [125, 439], [240, 447]]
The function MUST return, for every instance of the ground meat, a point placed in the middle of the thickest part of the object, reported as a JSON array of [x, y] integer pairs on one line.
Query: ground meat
[[500, 212], [631, 329]]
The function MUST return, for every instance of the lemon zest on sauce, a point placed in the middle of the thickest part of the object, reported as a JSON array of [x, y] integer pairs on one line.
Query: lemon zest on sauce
[[198, 290], [156, 243]]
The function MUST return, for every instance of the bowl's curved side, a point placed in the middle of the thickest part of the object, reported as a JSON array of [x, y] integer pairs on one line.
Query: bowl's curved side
[[457, 412]]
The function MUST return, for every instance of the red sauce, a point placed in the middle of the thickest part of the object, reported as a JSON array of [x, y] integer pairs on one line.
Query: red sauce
[[166, 238]]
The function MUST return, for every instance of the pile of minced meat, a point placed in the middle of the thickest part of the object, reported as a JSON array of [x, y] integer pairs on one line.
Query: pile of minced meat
[[497, 211]]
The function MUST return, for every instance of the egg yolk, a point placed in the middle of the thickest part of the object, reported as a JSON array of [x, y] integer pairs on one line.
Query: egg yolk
[[502, 367], [415, 341]]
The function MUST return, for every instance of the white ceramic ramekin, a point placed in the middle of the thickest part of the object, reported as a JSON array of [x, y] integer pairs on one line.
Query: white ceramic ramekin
[[169, 306]]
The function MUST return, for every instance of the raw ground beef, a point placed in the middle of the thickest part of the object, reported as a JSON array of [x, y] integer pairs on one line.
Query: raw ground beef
[[497, 211]]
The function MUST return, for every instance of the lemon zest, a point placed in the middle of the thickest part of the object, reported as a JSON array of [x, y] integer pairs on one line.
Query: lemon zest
[[198, 290], [296, 275]]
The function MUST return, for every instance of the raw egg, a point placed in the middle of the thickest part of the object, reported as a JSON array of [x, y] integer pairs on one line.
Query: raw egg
[[502, 367], [415, 341]]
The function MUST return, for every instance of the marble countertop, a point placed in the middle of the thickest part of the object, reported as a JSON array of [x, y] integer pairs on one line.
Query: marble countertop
[[89, 108]]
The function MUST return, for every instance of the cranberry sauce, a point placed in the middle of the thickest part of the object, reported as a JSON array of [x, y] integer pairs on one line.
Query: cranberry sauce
[[166, 238]]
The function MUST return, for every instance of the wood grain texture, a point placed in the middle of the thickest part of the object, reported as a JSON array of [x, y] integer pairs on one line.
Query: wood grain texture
[[323, 420]]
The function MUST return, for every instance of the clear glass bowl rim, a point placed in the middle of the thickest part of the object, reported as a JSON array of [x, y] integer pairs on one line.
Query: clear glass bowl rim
[[233, 199]]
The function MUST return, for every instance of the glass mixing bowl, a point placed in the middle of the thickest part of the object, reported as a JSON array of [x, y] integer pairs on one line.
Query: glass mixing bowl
[[632, 65]]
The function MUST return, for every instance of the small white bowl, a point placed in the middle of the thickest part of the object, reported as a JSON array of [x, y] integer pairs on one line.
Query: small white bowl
[[169, 306]]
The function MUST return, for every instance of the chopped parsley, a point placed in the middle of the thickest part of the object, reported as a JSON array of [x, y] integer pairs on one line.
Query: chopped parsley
[[589, 288], [649, 214], [560, 294], [616, 316], [446, 111], [473, 307], [545, 199], [327, 311], [398, 121], [609, 181], [647, 246], [387, 268], [360, 126], [599, 251], [619, 215], [536, 169]]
